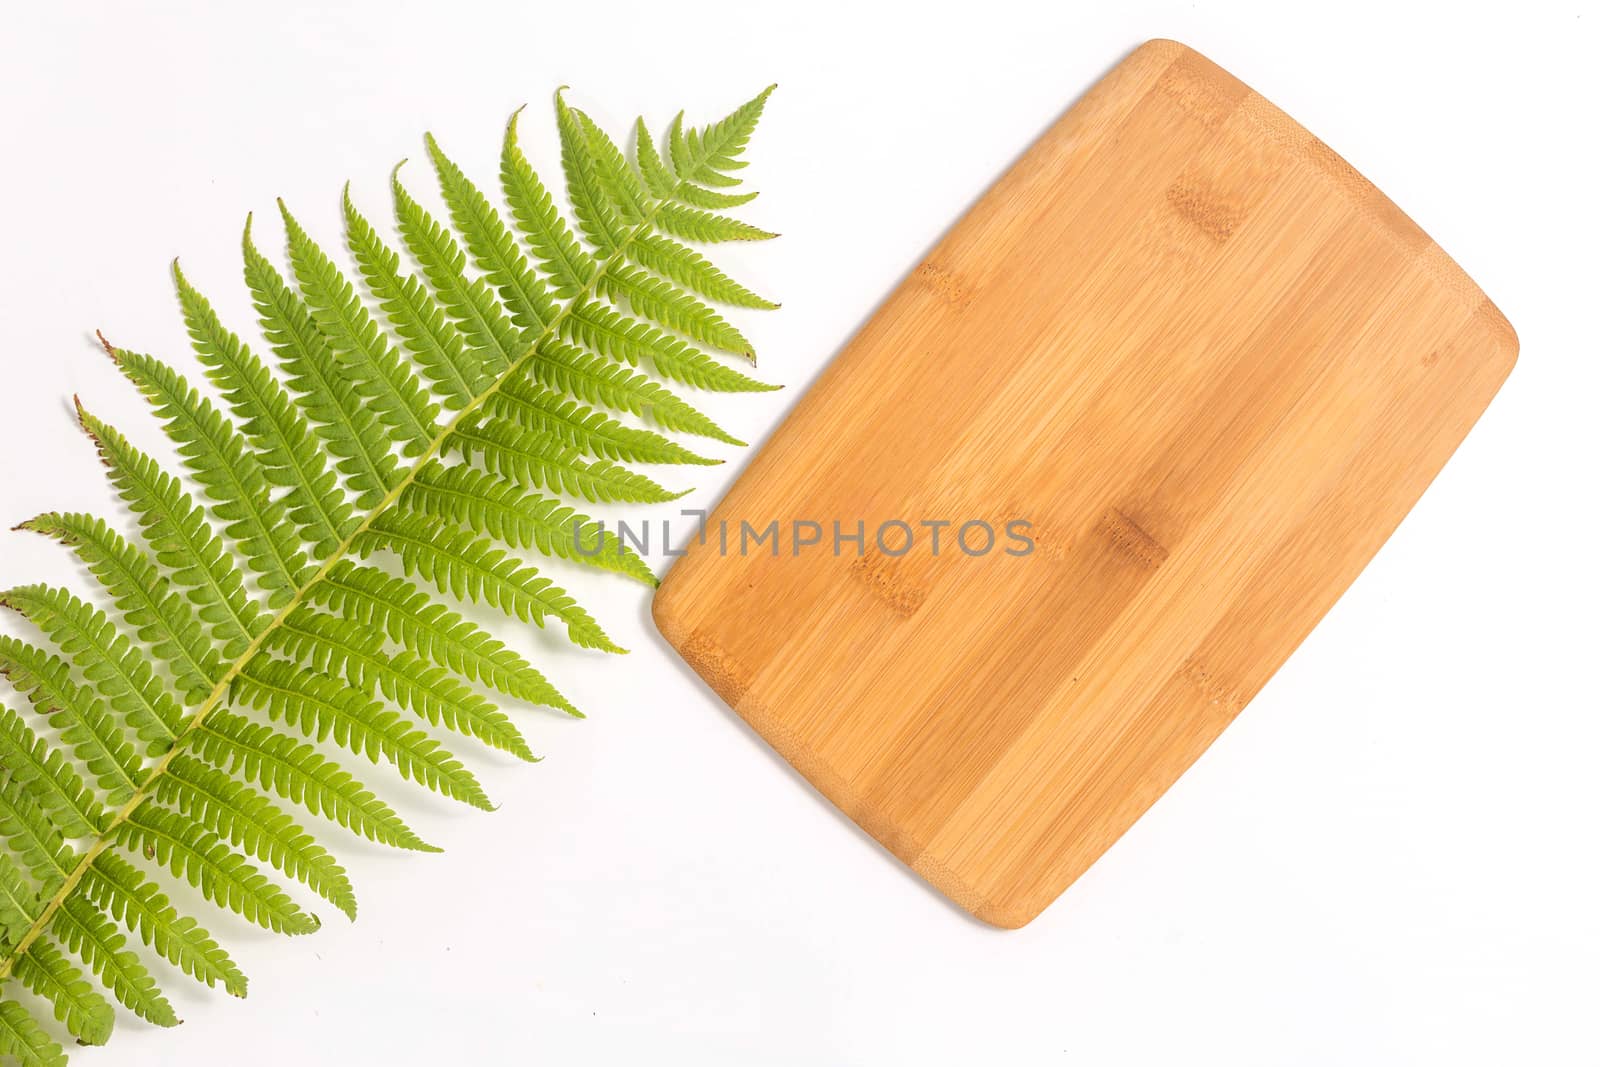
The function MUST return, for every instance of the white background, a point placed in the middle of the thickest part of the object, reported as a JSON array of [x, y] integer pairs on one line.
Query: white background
[[1389, 858]]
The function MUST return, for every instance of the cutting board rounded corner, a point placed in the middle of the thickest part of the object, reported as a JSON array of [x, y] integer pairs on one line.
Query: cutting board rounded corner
[[1199, 86], [667, 614], [726, 679]]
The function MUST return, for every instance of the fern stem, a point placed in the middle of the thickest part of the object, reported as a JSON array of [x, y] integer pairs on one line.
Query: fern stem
[[107, 836]]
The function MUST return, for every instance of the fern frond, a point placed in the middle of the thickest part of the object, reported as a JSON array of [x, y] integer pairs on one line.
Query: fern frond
[[363, 350], [705, 227], [669, 306], [330, 645], [255, 826], [111, 664], [149, 605], [298, 773], [694, 272], [52, 781], [590, 203], [19, 905], [510, 372], [464, 565], [469, 301], [542, 410], [707, 155], [346, 425], [86, 1014], [622, 187], [468, 497], [456, 372], [695, 196], [433, 694], [422, 625], [223, 877], [285, 446], [22, 1038], [597, 380], [493, 249], [227, 470], [124, 893], [32, 837], [176, 529], [534, 210], [655, 171], [337, 646], [319, 707], [613, 334], [90, 935], [529, 457], [85, 724]]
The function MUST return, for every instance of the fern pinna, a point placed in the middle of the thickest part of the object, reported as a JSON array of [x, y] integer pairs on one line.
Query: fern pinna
[[435, 418]]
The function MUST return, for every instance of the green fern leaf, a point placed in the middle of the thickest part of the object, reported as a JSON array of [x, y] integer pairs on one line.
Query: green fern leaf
[[298, 773], [469, 568], [455, 371], [199, 857], [693, 271], [468, 497], [285, 446], [22, 1038], [695, 196], [433, 694], [90, 935], [421, 625], [344, 422], [85, 724], [655, 171], [364, 352], [533, 458], [706, 155], [494, 250], [330, 645], [534, 210], [176, 529], [542, 410], [86, 1014], [319, 707], [33, 837], [255, 826], [19, 905], [222, 463], [151, 607], [52, 781], [469, 301], [623, 190], [665, 304], [620, 337], [590, 204], [597, 380], [247, 593], [337, 646], [111, 664], [705, 227], [124, 893]]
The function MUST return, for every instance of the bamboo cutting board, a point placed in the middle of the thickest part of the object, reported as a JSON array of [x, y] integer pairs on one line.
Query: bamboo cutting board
[[1207, 362]]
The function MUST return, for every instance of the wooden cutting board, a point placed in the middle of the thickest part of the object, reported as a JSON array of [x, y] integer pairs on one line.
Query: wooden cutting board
[[1208, 362]]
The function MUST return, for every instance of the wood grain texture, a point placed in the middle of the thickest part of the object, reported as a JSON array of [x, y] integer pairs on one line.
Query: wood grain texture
[[1209, 362]]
